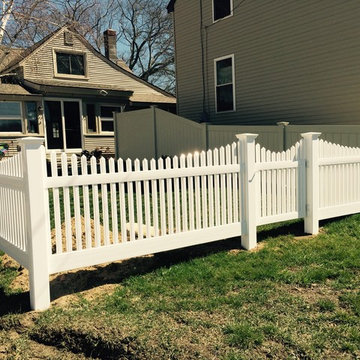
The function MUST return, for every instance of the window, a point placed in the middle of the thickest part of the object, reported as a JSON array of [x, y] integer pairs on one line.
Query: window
[[107, 121], [224, 84], [10, 116], [70, 64], [91, 118], [32, 117], [222, 9]]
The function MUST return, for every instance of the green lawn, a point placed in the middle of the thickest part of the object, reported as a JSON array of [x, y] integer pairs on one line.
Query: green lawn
[[294, 298]]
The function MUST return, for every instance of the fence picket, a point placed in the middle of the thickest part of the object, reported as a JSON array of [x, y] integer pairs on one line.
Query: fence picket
[[273, 186], [154, 200], [56, 202], [86, 204], [235, 183], [177, 197], [139, 211], [217, 189], [184, 196], [204, 192], [104, 203], [223, 187], [197, 193], [263, 175], [268, 186], [169, 192], [67, 208], [190, 179], [162, 199], [122, 203], [131, 206], [211, 190], [279, 186], [229, 186], [113, 197], [96, 208], [147, 201], [77, 214]]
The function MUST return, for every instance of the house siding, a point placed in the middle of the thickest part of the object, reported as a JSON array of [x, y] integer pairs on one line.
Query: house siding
[[188, 59], [295, 61]]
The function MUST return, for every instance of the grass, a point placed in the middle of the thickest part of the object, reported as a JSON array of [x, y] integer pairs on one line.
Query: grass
[[292, 299]]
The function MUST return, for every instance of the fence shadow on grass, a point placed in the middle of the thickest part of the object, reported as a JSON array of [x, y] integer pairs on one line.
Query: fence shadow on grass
[[116, 272], [17, 303]]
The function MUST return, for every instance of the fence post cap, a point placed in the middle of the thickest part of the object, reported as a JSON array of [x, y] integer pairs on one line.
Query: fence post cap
[[282, 123], [247, 136], [35, 141], [311, 135]]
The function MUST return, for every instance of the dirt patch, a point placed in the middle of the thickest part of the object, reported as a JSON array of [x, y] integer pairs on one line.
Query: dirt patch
[[309, 237], [86, 238], [314, 293]]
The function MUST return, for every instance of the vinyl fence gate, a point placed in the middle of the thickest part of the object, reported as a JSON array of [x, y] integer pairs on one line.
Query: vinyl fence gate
[[75, 213]]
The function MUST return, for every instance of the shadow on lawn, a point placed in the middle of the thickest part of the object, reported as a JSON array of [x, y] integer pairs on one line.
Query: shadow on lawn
[[114, 273], [17, 303]]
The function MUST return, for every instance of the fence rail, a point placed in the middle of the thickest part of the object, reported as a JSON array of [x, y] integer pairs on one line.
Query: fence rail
[[84, 212]]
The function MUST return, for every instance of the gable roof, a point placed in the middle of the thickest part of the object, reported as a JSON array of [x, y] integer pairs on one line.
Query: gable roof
[[16, 55], [8, 55], [119, 66]]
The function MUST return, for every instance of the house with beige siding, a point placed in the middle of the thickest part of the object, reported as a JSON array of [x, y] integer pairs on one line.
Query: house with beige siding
[[64, 90], [258, 62]]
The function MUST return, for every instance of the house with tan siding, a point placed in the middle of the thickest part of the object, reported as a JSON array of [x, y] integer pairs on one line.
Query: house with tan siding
[[258, 62], [64, 90]]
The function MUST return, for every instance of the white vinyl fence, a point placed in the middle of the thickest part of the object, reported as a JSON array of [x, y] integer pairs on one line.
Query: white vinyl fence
[[75, 213]]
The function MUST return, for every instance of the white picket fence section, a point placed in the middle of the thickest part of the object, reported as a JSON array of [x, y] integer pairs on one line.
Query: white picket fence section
[[77, 213], [138, 205], [339, 176], [13, 237]]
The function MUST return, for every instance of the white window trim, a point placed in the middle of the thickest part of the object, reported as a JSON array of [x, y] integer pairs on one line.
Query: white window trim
[[225, 17], [14, 117], [232, 56], [101, 119], [70, 76]]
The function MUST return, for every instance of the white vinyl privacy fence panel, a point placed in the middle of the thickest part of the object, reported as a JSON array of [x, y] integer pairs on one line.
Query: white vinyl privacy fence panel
[[75, 212]]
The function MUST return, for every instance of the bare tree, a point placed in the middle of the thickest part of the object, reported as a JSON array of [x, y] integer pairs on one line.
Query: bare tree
[[145, 35], [6, 8]]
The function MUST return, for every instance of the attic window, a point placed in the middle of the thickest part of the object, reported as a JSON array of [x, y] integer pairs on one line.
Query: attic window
[[222, 9], [70, 64]]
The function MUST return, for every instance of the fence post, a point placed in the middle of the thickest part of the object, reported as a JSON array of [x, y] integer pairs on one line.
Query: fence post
[[284, 124], [248, 189], [311, 144], [37, 215]]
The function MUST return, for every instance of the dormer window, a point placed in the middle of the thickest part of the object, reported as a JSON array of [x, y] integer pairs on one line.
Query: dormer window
[[222, 9], [69, 64]]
